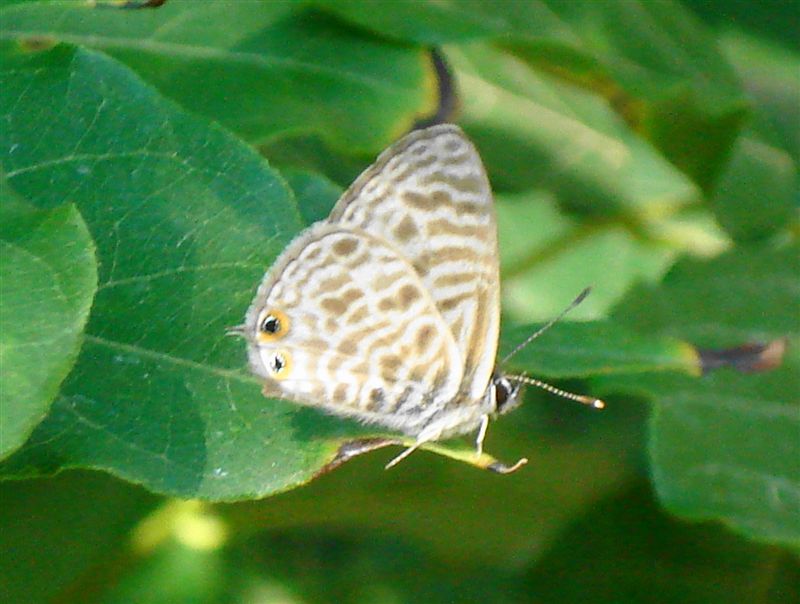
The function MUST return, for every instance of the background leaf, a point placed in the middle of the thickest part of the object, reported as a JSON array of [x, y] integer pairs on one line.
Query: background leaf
[[599, 164], [315, 194], [597, 348], [633, 552], [543, 269], [653, 60], [48, 277], [356, 91], [745, 295], [47, 519], [726, 446], [755, 196]]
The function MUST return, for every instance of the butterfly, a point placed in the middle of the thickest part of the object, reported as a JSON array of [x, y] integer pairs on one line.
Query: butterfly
[[388, 311]]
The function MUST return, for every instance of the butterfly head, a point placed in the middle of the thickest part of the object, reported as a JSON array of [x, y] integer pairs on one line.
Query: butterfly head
[[506, 394]]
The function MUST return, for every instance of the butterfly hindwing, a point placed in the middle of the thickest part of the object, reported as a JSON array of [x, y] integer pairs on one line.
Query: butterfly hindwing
[[343, 321]]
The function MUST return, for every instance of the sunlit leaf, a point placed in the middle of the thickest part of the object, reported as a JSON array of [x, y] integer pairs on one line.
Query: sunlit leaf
[[48, 277]]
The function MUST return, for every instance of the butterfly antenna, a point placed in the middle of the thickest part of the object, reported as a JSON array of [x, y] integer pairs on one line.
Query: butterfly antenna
[[236, 330], [580, 398], [546, 326]]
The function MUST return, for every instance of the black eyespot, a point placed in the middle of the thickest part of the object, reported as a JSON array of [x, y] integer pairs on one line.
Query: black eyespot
[[277, 363], [271, 324]]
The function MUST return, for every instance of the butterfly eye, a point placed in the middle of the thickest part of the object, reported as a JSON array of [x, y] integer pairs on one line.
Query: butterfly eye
[[506, 394], [272, 325], [279, 365]]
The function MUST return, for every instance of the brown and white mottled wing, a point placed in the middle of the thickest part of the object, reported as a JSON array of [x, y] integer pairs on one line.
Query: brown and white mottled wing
[[342, 321], [429, 195]]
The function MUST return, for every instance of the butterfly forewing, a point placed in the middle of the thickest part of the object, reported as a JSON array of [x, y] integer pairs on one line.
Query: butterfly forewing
[[343, 321], [430, 197]]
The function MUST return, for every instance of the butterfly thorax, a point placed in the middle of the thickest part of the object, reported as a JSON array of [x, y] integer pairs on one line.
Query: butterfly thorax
[[462, 416]]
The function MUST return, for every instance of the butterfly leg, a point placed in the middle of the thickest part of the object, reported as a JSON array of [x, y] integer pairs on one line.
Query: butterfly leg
[[427, 435], [403, 455], [481, 435]]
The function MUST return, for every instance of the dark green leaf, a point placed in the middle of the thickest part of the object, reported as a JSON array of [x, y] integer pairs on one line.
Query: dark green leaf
[[741, 296], [65, 536], [260, 68], [726, 446], [756, 194], [48, 277], [315, 194], [627, 550]]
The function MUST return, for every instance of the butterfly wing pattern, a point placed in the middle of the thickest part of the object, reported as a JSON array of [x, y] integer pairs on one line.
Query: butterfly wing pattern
[[429, 195], [388, 311], [357, 333]]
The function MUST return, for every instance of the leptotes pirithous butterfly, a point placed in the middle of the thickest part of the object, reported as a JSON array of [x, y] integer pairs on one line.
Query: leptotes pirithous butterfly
[[389, 310]]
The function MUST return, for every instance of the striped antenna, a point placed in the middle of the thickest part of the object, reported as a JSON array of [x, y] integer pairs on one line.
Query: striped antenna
[[580, 398], [584, 400], [548, 325]]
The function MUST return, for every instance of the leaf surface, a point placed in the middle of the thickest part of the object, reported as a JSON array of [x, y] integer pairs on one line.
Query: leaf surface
[[48, 277]]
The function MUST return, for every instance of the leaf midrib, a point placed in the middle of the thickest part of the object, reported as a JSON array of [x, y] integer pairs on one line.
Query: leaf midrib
[[147, 353]]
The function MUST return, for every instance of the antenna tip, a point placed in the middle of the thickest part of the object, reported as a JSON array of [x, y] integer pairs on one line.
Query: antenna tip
[[596, 403]]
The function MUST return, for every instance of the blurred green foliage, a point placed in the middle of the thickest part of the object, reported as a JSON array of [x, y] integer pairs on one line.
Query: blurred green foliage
[[155, 162]]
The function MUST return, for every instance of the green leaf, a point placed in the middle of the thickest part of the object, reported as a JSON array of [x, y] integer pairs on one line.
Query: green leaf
[[185, 220], [311, 154], [627, 550], [748, 294], [726, 446], [771, 77], [597, 348], [159, 395], [544, 268], [755, 195], [534, 131], [315, 194], [432, 23], [48, 520], [260, 68], [48, 277], [652, 60]]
